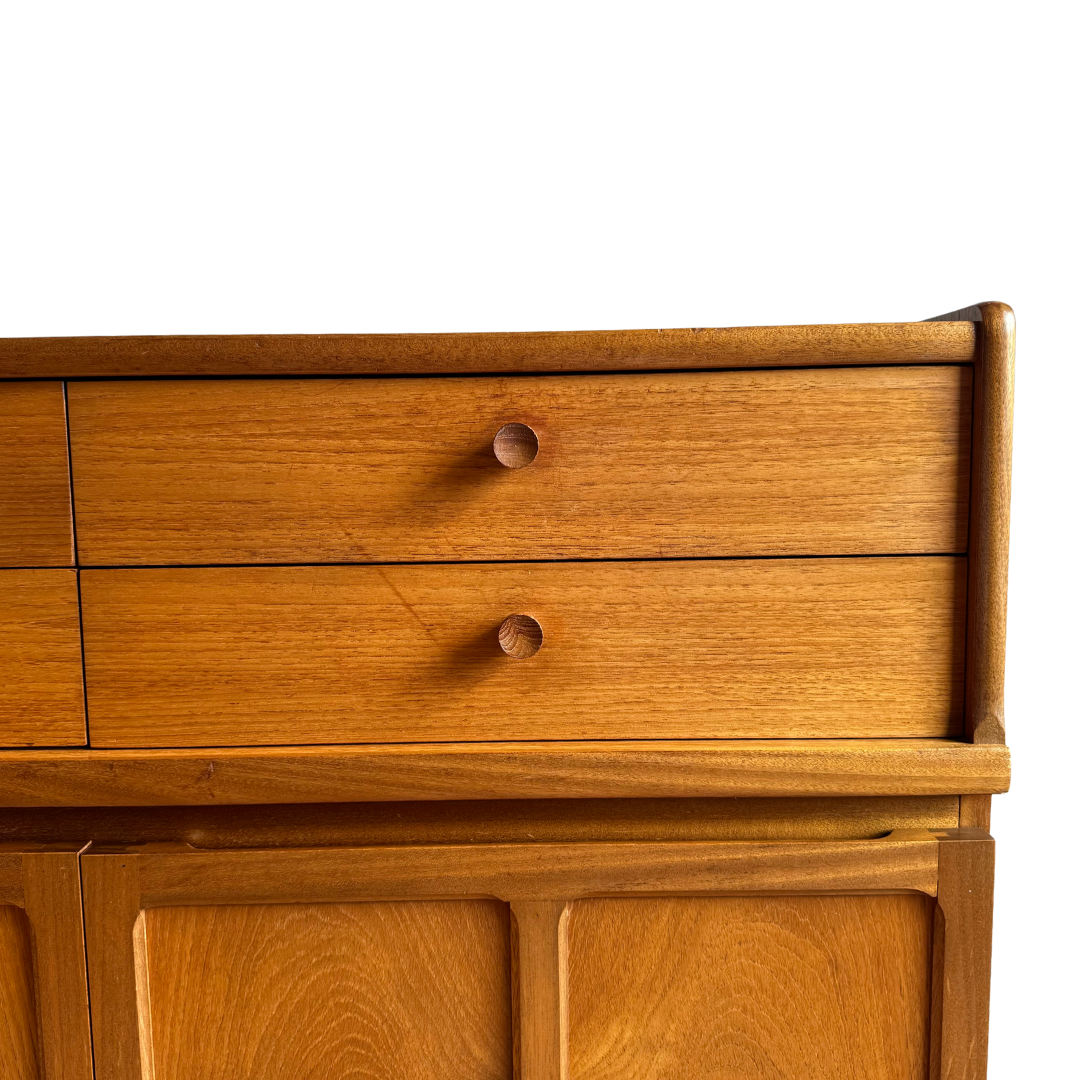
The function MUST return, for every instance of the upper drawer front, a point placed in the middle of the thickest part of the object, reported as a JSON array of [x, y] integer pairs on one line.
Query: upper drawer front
[[759, 648], [35, 499], [786, 462]]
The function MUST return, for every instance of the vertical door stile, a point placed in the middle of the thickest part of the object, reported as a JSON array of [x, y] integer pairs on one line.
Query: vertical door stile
[[540, 989]]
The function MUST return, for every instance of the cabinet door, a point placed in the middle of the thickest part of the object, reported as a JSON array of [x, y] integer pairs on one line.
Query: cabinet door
[[544, 961], [44, 1017]]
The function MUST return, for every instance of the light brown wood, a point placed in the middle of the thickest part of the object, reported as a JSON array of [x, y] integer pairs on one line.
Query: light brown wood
[[18, 1014], [516, 445], [41, 678], [991, 494], [734, 648], [741, 988], [539, 770], [531, 871], [520, 636], [540, 989], [800, 462], [412, 354], [386, 991], [965, 915], [975, 811], [35, 496], [44, 1009], [157, 883]]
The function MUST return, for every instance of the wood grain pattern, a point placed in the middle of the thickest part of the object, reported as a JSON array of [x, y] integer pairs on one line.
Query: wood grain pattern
[[754, 648], [531, 871], [962, 954], [539, 989], [18, 1015], [35, 497], [44, 1009], [741, 988], [504, 821], [867, 969], [807, 462], [991, 496], [126, 886], [405, 354], [539, 770], [379, 991], [41, 679]]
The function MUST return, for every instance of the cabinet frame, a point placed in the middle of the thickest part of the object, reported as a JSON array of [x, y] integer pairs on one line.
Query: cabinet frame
[[539, 881]]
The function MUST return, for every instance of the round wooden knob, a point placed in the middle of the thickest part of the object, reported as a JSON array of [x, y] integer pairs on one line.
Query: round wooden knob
[[515, 446], [521, 636]]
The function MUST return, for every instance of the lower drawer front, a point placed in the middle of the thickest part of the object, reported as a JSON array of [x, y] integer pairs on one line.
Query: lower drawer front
[[41, 686], [862, 647]]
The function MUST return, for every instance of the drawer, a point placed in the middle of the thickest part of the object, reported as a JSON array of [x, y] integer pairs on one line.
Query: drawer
[[784, 462], [35, 498], [41, 689], [859, 647]]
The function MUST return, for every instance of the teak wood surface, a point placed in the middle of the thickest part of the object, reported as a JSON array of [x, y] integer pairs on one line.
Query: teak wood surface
[[35, 496], [736, 987], [41, 676], [44, 1010], [808, 462], [649, 769], [487, 822], [126, 891], [430, 354], [731, 648]]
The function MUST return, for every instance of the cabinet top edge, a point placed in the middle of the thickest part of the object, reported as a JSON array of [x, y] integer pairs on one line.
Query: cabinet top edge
[[487, 353]]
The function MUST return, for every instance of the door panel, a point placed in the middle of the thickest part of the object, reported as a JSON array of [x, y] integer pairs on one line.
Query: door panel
[[44, 1009], [401, 991], [636, 960], [741, 988], [18, 1021]]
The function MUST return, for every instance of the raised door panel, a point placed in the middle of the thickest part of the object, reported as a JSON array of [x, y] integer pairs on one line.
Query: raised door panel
[[41, 678], [35, 496], [750, 988], [18, 1017], [379, 991], [792, 462], [679, 649]]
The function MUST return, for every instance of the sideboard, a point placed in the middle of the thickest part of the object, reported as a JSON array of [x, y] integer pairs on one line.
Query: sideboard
[[551, 706]]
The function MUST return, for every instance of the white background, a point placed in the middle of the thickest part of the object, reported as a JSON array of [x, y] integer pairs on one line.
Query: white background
[[269, 167]]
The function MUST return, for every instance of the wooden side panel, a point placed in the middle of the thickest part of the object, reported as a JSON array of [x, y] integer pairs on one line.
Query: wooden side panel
[[793, 462], [379, 991], [741, 988], [18, 1018], [35, 494], [41, 686], [755, 648]]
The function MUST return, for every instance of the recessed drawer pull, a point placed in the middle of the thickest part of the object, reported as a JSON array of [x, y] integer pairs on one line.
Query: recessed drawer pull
[[521, 636], [515, 446]]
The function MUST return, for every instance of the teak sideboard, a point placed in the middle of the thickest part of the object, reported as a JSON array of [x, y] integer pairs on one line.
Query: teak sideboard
[[555, 706]]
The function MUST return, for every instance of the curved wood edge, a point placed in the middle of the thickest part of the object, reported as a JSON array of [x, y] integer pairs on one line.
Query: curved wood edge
[[988, 534], [44, 880], [441, 354], [465, 771]]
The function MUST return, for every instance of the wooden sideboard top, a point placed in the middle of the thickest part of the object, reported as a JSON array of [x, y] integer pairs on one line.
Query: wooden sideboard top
[[935, 342]]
